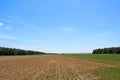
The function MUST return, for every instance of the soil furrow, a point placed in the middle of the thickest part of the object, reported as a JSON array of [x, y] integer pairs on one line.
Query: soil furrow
[[54, 67]]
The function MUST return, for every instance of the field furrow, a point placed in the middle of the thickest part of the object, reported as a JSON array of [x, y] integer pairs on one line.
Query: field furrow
[[52, 67]]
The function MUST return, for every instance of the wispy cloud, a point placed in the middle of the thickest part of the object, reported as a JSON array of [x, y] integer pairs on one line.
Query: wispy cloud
[[12, 20], [1, 23], [19, 20], [7, 37], [68, 29]]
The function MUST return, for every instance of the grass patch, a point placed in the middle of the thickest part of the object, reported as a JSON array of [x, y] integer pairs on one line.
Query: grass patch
[[105, 73], [108, 57], [108, 73]]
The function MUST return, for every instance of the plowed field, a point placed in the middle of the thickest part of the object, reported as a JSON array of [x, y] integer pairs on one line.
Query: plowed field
[[53, 67]]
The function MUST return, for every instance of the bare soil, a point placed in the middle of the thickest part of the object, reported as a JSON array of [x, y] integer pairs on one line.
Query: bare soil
[[53, 67]]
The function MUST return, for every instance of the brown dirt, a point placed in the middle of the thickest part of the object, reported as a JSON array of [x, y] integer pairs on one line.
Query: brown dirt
[[51, 67]]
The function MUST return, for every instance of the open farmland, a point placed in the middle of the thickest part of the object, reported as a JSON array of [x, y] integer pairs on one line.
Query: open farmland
[[48, 67]]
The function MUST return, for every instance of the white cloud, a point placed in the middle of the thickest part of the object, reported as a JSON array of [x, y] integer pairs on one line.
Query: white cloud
[[1, 23], [7, 37]]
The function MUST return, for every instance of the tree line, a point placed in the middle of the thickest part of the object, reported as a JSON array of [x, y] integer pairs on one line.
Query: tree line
[[112, 50], [14, 51]]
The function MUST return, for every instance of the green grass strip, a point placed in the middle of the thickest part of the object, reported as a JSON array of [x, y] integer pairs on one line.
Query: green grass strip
[[108, 57], [108, 73]]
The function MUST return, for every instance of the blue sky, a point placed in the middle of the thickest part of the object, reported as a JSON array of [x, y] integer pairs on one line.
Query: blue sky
[[60, 25]]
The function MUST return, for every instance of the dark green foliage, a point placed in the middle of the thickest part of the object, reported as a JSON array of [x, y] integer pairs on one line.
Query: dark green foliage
[[13, 51], [112, 50]]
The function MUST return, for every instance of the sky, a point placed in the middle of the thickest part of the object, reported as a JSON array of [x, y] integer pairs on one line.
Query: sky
[[62, 26]]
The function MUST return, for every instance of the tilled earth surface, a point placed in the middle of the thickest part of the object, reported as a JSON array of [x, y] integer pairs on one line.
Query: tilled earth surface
[[53, 67]]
